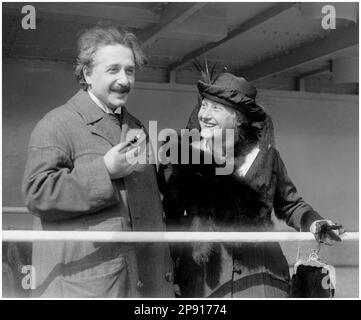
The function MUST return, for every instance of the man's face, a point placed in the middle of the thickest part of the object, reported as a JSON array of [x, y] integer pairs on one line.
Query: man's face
[[213, 115], [112, 76]]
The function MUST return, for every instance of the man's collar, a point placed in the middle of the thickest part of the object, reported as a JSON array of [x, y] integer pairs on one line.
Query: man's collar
[[89, 110], [102, 105]]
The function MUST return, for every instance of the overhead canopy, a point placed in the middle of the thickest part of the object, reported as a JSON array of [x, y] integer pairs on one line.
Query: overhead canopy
[[256, 40]]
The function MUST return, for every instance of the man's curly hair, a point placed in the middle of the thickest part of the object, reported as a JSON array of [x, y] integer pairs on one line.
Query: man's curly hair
[[99, 36]]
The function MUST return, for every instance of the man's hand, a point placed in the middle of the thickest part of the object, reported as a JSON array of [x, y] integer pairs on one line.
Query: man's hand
[[118, 160], [327, 232]]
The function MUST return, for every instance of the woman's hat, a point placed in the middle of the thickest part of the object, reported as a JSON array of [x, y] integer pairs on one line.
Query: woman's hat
[[234, 92]]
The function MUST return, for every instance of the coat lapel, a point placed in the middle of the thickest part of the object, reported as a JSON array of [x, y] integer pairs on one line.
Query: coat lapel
[[95, 118], [128, 122], [140, 182], [106, 129], [125, 125], [260, 172]]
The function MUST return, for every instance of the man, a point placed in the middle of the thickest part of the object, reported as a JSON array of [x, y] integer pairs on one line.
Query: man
[[79, 177]]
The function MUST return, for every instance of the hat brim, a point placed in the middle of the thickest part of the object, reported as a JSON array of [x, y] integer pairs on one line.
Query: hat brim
[[234, 99]]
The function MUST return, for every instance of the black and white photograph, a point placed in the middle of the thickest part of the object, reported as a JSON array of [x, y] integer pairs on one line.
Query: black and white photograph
[[206, 151]]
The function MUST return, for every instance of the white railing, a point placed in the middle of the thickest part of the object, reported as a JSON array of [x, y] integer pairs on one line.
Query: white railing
[[136, 236], [15, 210]]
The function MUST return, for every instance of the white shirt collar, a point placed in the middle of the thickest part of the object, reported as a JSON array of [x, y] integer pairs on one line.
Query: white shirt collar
[[100, 104], [248, 161]]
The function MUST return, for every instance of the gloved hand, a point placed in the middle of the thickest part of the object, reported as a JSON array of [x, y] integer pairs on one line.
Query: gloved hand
[[177, 290], [326, 231]]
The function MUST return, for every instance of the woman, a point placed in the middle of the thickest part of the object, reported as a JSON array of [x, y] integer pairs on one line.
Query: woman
[[197, 199]]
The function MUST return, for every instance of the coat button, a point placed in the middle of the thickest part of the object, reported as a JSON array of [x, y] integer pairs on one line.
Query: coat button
[[169, 276], [140, 285]]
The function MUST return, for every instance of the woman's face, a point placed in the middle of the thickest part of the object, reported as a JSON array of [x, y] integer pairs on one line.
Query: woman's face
[[213, 115]]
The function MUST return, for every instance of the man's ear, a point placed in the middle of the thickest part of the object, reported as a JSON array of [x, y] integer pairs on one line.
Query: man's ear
[[87, 73]]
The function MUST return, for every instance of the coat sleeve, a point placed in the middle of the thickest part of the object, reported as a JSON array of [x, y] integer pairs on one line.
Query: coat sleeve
[[288, 205], [56, 189]]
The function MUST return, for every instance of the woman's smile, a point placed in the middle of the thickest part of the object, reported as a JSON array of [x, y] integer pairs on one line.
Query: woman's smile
[[208, 124]]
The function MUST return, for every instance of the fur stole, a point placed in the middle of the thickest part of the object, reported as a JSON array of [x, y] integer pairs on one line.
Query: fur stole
[[219, 203]]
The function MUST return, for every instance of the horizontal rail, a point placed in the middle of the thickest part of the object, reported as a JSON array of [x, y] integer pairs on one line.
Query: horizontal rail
[[10, 210], [132, 237]]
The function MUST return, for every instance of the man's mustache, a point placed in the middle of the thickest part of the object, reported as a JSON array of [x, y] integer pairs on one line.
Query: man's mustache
[[121, 89]]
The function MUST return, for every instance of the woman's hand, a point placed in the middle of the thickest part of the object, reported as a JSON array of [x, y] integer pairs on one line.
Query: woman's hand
[[327, 232], [177, 290]]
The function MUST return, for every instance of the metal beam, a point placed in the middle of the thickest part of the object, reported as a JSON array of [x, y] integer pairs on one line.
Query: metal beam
[[326, 68], [339, 39], [244, 27], [301, 79], [87, 13], [175, 14]]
